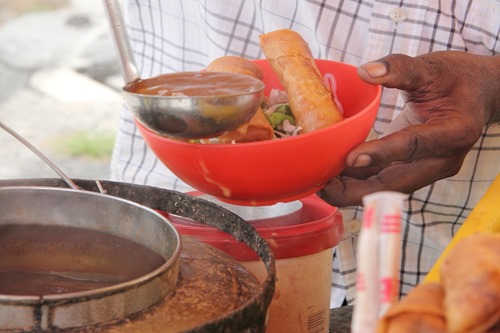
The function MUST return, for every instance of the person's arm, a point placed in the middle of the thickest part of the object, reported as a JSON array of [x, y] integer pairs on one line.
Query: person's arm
[[451, 96]]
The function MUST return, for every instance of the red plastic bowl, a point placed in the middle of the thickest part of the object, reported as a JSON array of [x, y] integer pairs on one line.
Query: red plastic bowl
[[281, 170]]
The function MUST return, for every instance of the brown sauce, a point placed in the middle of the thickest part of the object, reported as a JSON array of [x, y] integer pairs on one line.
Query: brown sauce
[[45, 260], [42, 283], [195, 84]]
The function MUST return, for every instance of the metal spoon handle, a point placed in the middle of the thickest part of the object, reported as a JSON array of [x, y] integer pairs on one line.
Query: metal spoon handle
[[119, 32], [42, 156]]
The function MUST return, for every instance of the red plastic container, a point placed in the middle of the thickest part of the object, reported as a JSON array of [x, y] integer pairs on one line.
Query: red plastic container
[[315, 227], [302, 242], [281, 170]]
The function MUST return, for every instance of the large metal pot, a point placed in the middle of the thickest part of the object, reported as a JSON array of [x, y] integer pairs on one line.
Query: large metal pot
[[154, 301], [31, 207]]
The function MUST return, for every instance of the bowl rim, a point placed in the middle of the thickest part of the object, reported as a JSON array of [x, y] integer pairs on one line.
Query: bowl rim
[[352, 118]]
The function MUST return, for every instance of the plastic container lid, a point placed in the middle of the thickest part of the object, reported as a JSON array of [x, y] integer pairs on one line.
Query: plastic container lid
[[279, 214], [312, 228]]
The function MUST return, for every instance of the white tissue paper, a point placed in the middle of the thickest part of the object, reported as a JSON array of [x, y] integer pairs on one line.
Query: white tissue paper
[[378, 259]]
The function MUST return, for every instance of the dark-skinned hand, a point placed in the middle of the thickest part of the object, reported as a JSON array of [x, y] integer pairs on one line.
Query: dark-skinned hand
[[450, 97]]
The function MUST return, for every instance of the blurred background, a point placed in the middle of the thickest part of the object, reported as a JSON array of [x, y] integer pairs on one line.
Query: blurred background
[[59, 88]]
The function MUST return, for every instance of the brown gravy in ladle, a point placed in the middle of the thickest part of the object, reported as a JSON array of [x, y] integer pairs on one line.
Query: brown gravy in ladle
[[195, 84]]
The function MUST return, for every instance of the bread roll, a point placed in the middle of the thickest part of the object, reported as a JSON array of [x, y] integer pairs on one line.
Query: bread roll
[[258, 127], [421, 311], [470, 275], [311, 102], [237, 65], [467, 299]]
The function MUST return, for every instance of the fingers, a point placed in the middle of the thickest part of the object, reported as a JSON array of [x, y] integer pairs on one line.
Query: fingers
[[361, 173], [446, 136], [443, 100], [405, 178], [395, 71], [447, 106], [407, 146], [461, 77]]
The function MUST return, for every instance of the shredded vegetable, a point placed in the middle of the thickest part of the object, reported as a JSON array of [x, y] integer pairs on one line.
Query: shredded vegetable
[[281, 119]]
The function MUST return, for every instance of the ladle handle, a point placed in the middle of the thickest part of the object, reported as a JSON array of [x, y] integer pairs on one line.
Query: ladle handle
[[42, 156], [122, 43]]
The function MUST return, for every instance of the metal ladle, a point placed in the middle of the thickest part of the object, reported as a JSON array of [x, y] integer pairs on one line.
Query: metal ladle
[[186, 117], [54, 167]]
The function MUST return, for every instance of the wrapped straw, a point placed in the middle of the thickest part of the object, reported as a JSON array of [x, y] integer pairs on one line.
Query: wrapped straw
[[378, 256]]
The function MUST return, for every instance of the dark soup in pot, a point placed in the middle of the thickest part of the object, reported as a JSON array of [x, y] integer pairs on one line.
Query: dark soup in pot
[[44, 260]]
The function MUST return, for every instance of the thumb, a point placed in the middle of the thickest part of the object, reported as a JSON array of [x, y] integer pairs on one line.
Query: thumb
[[394, 71]]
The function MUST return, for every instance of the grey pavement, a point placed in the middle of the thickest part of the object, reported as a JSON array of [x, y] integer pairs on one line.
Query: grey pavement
[[59, 76]]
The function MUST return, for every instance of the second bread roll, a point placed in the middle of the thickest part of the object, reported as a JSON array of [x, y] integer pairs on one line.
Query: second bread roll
[[257, 128]]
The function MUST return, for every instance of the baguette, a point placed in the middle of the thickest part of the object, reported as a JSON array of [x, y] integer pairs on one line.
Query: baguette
[[311, 102]]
